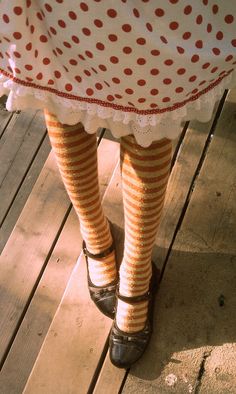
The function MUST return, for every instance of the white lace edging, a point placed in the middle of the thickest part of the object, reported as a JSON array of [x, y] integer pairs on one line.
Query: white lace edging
[[145, 128]]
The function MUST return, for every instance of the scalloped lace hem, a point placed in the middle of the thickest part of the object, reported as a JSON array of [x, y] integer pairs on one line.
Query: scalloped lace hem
[[145, 128]]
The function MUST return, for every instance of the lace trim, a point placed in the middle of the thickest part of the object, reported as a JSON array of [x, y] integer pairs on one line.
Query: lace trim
[[146, 127]]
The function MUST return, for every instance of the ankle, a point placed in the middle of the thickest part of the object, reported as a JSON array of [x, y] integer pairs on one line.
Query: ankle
[[131, 317]]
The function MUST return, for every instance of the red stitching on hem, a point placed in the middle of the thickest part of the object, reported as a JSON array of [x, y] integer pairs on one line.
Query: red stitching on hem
[[116, 106]]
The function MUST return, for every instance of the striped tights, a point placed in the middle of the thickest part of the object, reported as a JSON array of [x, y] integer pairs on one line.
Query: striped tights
[[145, 174]]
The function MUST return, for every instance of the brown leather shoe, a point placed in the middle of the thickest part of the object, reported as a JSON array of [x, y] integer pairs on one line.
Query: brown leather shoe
[[104, 297], [127, 348]]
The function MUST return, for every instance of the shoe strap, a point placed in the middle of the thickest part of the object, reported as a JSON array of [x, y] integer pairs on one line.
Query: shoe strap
[[100, 255], [134, 300]]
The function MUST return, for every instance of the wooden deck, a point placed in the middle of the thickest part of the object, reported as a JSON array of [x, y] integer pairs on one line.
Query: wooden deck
[[52, 338]]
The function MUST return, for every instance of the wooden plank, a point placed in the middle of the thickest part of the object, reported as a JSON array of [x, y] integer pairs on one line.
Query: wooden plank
[[5, 116], [78, 353], [24, 192], [192, 325], [179, 183], [15, 163], [46, 299], [27, 249]]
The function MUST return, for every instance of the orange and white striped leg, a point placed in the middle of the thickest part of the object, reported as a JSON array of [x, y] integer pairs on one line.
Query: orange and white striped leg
[[76, 156], [145, 173]]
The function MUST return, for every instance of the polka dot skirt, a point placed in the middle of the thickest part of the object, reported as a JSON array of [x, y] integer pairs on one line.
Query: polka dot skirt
[[134, 66]]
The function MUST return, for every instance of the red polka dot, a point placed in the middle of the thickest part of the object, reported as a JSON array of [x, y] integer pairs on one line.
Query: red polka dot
[[72, 15], [202, 83], [29, 79], [39, 16], [164, 39], [141, 61], [116, 80], [153, 105], [107, 83], [149, 26], [114, 59], [179, 89], [57, 74], [126, 27], [173, 25], [167, 81], [186, 35], [209, 27], [205, 2], [154, 71], [159, 12], [50, 82], [78, 78], [43, 38], [168, 62], [53, 31], [111, 13], [17, 54], [155, 52], [89, 91], [199, 19], [17, 70], [141, 41], [129, 91], [86, 31], [127, 50], [199, 44], [98, 23], [61, 23], [205, 65], [180, 50], [48, 7], [46, 61], [173, 1], [166, 99], [128, 71], [39, 76], [215, 9], [59, 51], [28, 67], [214, 69], [5, 18], [195, 58], [87, 72], [89, 54], [98, 86], [17, 35], [192, 78], [110, 97], [141, 100], [229, 19], [136, 13], [154, 92], [28, 3], [73, 62], [233, 42], [68, 87], [228, 58], [84, 7], [219, 35], [216, 51], [100, 46], [102, 67], [112, 37], [28, 46], [118, 96], [181, 71], [66, 44], [93, 69], [141, 82], [36, 52], [194, 91], [81, 57], [188, 9], [18, 10], [75, 39]]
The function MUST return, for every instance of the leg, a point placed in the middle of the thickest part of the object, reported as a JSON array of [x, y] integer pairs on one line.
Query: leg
[[76, 155], [145, 173]]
